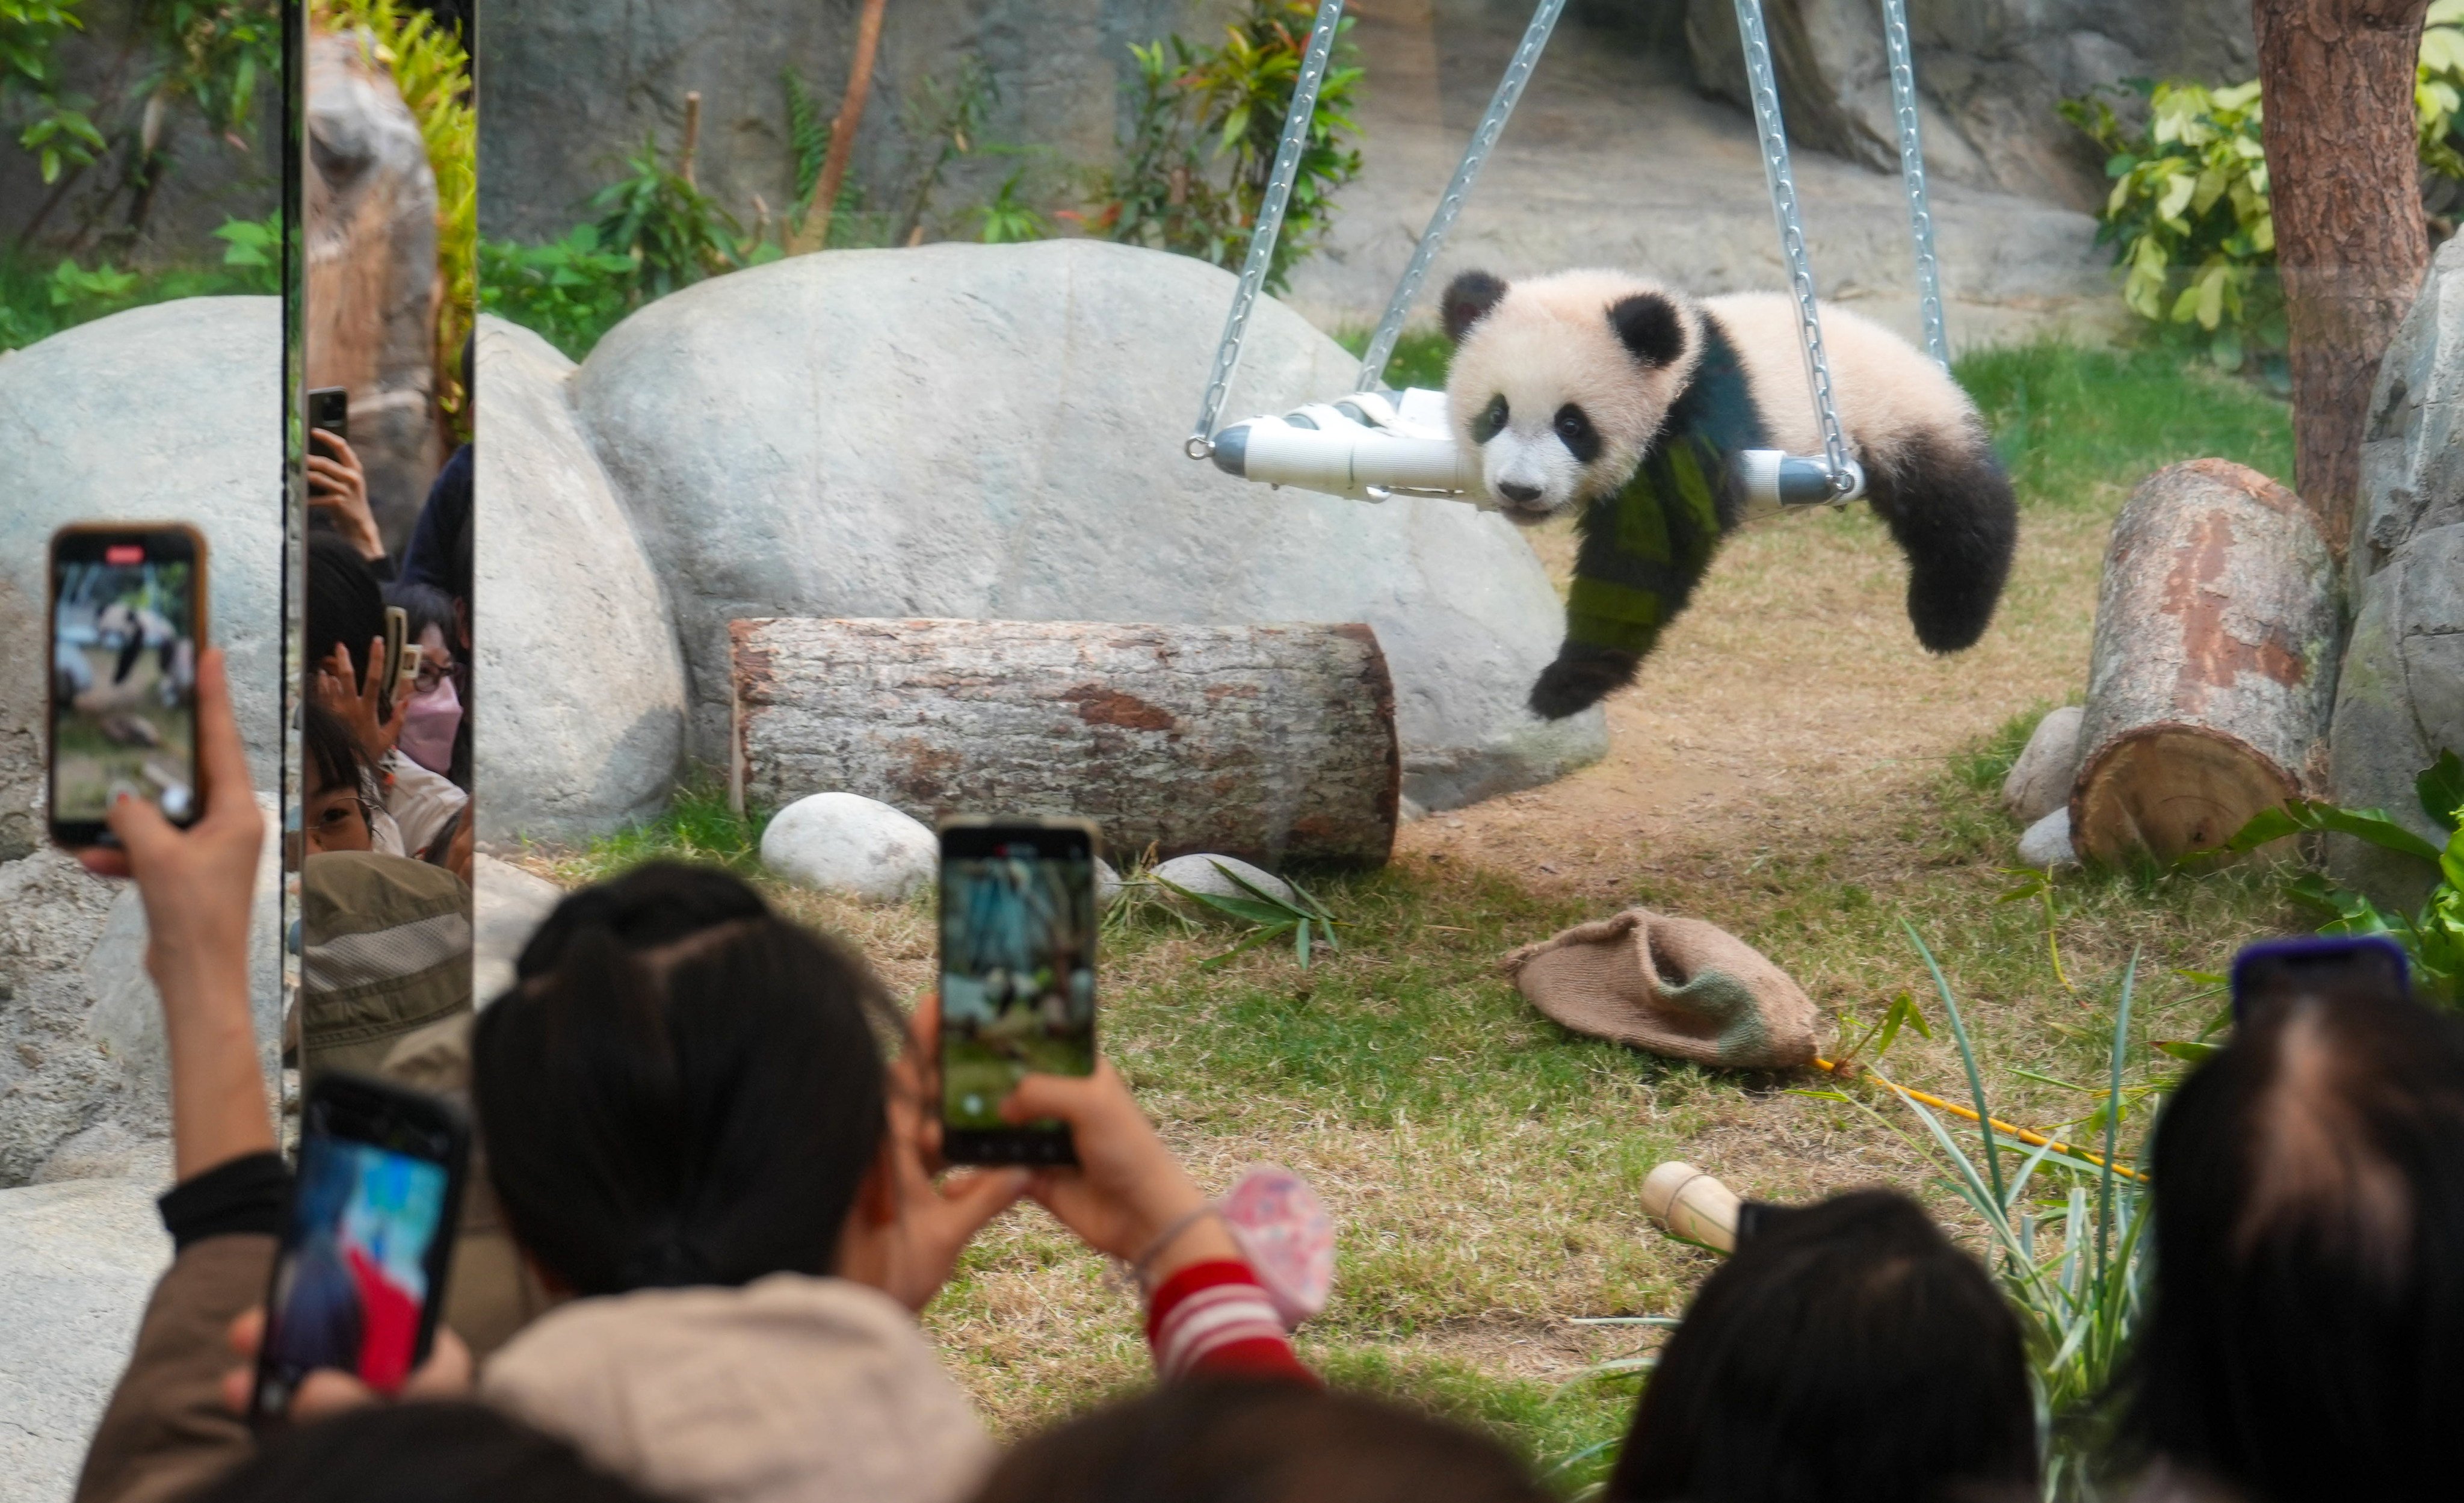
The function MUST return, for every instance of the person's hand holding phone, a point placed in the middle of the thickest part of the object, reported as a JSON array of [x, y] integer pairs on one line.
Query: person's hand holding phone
[[329, 1391], [1128, 1196], [198, 885], [338, 487], [913, 1223]]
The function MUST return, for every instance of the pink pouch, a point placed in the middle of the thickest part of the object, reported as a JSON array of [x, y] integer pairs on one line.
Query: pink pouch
[[1286, 1234]]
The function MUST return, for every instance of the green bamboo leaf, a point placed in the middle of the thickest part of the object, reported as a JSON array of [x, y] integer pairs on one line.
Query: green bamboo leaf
[[2441, 790]]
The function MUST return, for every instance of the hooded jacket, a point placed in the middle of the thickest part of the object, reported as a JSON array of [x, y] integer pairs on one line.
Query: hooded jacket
[[791, 1389]]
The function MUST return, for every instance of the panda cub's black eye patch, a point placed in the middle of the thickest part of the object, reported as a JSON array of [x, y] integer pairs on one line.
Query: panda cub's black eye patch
[[1574, 429], [1491, 421]]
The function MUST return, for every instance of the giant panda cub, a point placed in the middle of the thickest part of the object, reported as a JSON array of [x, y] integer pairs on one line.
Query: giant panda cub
[[1609, 394]]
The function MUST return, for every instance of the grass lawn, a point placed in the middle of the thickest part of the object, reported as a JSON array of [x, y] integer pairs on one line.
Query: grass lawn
[[1484, 1165]]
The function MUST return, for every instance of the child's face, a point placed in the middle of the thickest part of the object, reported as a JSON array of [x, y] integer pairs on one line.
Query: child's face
[[337, 821]]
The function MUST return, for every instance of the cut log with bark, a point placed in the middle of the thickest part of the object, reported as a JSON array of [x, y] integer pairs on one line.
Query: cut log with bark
[[2213, 668], [1262, 741], [2337, 78]]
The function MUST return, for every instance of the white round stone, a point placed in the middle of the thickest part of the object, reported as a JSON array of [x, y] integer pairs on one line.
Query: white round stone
[[2046, 844], [1199, 873], [847, 843]]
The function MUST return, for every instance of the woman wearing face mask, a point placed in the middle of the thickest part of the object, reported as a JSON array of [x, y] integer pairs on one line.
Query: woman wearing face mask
[[423, 792]]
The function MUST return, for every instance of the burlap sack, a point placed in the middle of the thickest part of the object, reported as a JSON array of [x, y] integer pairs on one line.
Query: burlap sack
[[1675, 986]]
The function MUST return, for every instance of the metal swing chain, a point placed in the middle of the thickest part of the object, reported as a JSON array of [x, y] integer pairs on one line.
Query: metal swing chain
[[1903, 100], [1270, 224], [1501, 105], [1764, 90]]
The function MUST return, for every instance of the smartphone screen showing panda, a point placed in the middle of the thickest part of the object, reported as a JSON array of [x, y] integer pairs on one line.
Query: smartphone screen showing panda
[[127, 618], [1018, 979]]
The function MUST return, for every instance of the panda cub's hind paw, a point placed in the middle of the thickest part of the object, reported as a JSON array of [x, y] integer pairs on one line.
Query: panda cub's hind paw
[[1580, 677]]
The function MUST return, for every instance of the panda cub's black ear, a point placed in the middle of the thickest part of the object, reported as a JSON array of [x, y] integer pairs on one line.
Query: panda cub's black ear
[[1468, 300], [1648, 327]]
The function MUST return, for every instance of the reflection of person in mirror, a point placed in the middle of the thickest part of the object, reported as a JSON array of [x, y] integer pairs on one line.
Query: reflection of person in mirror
[[338, 491]]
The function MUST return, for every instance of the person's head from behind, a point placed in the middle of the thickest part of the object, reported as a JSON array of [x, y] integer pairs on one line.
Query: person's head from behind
[[1846, 1353], [681, 1088], [337, 811], [345, 605], [1233, 1442], [2306, 1334], [426, 1452]]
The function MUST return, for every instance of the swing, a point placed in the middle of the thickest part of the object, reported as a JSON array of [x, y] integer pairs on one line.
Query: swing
[[1377, 442]]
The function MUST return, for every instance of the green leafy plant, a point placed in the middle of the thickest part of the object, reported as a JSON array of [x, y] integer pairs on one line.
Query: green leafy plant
[[254, 248], [2070, 1261], [103, 289], [2433, 937], [58, 131], [2189, 215], [660, 220], [569, 291], [1272, 916], [1205, 122], [1006, 220]]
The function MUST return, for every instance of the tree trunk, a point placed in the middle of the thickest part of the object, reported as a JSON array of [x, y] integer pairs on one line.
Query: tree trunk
[[2214, 665], [816, 231], [2342, 167], [1266, 741]]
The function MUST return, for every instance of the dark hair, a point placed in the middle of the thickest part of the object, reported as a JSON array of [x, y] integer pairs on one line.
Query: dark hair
[[424, 606], [333, 754], [429, 1452], [1253, 1441], [345, 605], [1846, 1353], [681, 1088], [2305, 1337]]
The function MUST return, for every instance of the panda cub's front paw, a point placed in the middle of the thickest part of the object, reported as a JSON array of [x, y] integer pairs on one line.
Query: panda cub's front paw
[[1580, 678]]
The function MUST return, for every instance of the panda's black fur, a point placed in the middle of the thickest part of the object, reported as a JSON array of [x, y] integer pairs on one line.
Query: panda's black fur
[[1670, 388]]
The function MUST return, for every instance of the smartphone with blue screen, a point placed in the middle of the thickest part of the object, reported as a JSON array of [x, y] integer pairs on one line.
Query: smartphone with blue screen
[[1018, 978], [369, 1243], [2319, 966]]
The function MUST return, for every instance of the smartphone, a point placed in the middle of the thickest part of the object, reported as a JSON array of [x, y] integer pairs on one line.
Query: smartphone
[[397, 633], [1018, 978], [329, 407], [361, 1274], [407, 680], [127, 617], [2321, 965]]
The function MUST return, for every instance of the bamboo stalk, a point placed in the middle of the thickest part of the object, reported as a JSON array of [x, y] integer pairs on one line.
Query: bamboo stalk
[[692, 138], [816, 231], [2028, 1136]]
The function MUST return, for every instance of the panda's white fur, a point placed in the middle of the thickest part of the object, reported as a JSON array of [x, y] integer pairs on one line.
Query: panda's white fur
[[1548, 342], [1566, 386]]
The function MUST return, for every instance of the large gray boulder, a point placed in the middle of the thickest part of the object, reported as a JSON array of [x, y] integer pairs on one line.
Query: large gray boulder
[[2400, 699], [166, 414], [994, 432], [579, 720], [169, 413], [85, 1066], [77, 1263]]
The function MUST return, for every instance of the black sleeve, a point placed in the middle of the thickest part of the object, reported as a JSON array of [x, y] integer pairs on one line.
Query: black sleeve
[[246, 1194]]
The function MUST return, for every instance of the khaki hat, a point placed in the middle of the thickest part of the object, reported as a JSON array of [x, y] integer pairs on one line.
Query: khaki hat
[[389, 953], [1675, 986]]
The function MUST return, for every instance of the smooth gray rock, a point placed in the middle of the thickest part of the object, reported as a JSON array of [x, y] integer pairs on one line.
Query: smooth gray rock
[[2041, 780], [1108, 884], [510, 903], [1204, 873], [579, 721], [77, 1263], [171, 413], [84, 1072], [847, 843], [994, 432], [2046, 844], [2399, 703], [2413, 453]]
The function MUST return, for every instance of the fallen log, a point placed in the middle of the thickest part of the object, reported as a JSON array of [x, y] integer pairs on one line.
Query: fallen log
[[2214, 667], [1260, 741]]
